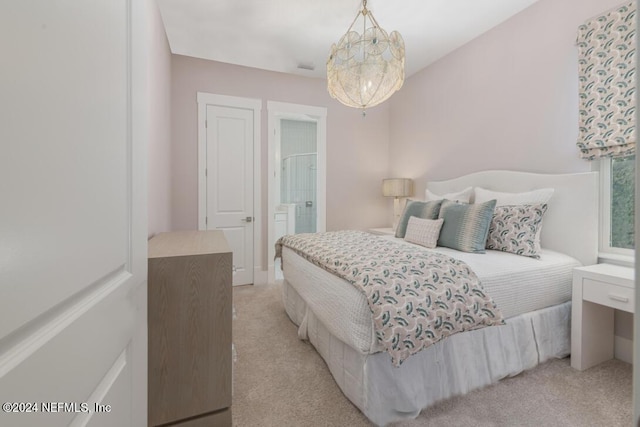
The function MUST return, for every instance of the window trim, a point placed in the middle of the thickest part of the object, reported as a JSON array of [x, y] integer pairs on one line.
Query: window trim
[[605, 250]]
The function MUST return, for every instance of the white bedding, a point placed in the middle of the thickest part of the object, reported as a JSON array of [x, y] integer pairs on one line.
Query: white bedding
[[517, 284], [330, 313], [456, 365]]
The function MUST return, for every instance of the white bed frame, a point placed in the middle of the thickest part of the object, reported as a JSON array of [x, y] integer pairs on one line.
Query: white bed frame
[[455, 365], [571, 221]]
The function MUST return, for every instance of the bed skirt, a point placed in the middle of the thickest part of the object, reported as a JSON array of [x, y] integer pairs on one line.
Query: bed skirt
[[454, 366]]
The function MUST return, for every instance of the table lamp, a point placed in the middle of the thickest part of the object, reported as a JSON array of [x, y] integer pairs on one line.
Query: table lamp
[[396, 188]]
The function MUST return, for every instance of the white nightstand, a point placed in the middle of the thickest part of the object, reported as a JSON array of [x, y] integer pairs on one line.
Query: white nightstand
[[597, 291], [382, 231]]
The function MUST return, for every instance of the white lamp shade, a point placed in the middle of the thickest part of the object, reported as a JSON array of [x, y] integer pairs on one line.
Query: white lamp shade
[[397, 187]]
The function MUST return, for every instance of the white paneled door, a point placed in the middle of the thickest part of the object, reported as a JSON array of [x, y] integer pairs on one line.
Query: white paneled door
[[229, 183], [72, 213]]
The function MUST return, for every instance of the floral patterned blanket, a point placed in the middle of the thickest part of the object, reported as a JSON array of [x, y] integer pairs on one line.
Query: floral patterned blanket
[[417, 297]]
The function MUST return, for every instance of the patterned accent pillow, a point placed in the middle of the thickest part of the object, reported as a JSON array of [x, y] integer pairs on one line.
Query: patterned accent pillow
[[424, 232], [426, 210], [465, 226], [516, 229]]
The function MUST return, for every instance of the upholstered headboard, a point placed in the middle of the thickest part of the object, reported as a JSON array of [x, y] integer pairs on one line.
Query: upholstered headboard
[[571, 222]]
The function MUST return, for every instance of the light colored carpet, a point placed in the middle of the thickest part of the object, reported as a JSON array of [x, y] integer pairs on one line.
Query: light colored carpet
[[282, 381]]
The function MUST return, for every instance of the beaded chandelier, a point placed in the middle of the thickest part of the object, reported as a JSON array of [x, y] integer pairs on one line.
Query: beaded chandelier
[[365, 69]]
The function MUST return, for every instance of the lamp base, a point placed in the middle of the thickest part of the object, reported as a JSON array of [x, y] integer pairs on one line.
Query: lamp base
[[396, 212]]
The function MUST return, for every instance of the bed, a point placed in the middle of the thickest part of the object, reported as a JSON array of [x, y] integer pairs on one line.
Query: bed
[[533, 294]]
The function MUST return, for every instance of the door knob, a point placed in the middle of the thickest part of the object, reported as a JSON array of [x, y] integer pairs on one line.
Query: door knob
[[247, 219]]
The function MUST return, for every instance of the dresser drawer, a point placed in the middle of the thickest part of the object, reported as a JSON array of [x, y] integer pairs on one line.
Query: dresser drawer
[[616, 296]]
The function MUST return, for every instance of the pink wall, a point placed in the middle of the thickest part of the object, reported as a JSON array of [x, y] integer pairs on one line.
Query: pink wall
[[357, 148], [506, 100], [159, 81]]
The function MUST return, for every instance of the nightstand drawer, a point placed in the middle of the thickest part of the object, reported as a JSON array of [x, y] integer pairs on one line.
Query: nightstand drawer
[[615, 296]]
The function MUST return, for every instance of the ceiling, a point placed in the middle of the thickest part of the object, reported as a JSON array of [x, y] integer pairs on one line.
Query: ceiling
[[281, 35]]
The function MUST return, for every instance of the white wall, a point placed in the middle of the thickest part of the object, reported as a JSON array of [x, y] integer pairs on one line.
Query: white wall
[[357, 148], [159, 82], [506, 100]]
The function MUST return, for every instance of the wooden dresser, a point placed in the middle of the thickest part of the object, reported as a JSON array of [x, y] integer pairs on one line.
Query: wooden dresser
[[189, 309]]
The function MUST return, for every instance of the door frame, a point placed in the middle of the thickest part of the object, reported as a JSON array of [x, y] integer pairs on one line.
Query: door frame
[[204, 99], [283, 110]]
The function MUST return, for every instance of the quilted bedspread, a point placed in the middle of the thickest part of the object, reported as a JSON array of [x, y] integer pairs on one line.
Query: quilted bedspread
[[417, 297]]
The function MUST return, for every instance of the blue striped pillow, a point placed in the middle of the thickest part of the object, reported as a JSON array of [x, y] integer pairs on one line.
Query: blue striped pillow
[[425, 210], [465, 226]]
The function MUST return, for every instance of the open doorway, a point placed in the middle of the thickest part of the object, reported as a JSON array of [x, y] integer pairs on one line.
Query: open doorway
[[297, 173]]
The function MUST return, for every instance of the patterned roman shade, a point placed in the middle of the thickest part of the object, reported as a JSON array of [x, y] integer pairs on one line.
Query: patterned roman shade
[[606, 60]]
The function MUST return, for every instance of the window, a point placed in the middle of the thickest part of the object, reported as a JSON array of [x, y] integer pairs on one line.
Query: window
[[607, 122], [618, 201]]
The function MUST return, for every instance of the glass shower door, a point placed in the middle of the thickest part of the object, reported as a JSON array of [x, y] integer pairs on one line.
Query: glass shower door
[[298, 186]]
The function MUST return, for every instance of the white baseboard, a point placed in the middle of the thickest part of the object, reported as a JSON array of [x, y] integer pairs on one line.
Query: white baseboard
[[623, 349]]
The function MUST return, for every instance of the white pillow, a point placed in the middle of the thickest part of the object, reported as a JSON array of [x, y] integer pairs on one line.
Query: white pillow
[[535, 197], [461, 196], [424, 232]]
